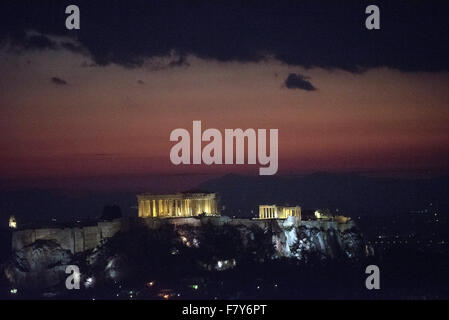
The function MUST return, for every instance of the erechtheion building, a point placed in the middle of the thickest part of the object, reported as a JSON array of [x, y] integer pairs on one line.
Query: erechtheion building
[[177, 205], [278, 212]]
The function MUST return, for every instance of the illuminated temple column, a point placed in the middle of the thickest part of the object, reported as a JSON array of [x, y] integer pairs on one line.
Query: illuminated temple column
[[140, 208], [175, 206], [147, 208], [154, 208]]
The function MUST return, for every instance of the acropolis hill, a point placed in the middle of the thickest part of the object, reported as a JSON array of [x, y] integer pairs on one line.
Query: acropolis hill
[[191, 217], [154, 210]]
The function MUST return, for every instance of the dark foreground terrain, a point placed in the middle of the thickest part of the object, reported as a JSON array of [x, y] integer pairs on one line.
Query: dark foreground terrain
[[163, 265]]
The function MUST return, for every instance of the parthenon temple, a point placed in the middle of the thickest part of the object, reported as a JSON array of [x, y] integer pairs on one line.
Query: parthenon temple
[[278, 212], [177, 205]]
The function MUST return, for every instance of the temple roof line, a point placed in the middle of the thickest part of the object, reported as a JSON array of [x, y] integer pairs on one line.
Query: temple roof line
[[177, 195]]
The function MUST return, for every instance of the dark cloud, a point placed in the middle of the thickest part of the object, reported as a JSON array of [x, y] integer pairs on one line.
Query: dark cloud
[[140, 82], [88, 64], [39, 42], [297, 81], [73, 47], [313, 33], [28, 41], [58, 81], [180, 61]]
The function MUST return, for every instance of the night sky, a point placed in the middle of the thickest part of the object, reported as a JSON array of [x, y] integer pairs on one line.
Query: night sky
[[102, 100]]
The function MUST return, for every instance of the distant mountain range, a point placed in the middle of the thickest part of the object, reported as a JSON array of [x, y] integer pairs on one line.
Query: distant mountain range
[[350, 194]]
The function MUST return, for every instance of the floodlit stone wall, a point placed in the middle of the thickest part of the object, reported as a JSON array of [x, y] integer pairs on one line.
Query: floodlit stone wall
[[76, 239]]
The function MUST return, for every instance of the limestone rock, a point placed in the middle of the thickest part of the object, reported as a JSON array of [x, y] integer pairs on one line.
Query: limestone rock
[[39, 265]]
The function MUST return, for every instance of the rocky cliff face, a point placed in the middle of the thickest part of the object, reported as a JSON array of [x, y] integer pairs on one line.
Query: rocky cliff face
[[210, 244], [37, 266], [325, 240]]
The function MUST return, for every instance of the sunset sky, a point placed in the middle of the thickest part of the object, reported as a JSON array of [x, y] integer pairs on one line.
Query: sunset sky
[[85, 103]]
